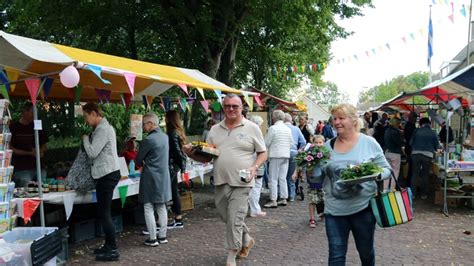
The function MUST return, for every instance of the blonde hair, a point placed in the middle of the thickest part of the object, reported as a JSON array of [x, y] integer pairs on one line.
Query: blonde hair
[[348, 110], [315, 137]]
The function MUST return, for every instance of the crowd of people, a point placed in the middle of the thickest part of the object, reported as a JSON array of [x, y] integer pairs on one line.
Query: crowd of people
[[251, 160]]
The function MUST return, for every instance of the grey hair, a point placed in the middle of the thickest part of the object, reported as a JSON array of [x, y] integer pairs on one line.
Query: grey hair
[[256, 119], [278, 115], [152, 118], [288, 118], [231, 95]]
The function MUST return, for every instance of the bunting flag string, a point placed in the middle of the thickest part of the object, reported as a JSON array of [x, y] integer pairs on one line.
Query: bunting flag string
[[4, 80], [130, 79], [258, 100], [184, 87], [219, 95], [4, 92], [205, 105], [409, 37], [12, 76], [201, 91], [166, 103], [97, 70], [246, 97], [33, 85]]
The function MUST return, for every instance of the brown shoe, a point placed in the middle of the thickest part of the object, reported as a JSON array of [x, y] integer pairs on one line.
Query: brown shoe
[[244, 252]]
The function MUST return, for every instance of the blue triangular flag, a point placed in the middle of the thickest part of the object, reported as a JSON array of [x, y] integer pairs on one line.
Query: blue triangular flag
[[219, 95], [97, 70], [4, 79], [47, 85]]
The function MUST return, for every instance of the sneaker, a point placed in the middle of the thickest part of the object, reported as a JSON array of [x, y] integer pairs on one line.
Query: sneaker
[[162, 240], [282, 202], [424, 197], [110, 255], [312, 223], [271, 204], [291, 199], [145, 231], [176, 224], [258, 214], [151, 242]]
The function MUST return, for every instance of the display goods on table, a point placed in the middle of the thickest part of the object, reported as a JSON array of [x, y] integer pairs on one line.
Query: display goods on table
[[7, 206], [356, 174], [205, 148]]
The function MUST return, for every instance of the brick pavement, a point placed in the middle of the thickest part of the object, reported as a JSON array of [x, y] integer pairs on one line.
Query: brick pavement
[[284, 238]]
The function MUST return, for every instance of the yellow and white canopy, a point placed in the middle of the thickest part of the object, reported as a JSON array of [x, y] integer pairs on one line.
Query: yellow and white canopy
[[30, 58]]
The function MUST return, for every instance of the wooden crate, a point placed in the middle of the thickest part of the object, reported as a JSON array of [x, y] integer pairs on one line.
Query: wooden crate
[[187, 202]]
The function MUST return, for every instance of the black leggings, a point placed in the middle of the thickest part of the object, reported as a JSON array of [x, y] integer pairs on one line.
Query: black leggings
[[176, 207], [105, 191]]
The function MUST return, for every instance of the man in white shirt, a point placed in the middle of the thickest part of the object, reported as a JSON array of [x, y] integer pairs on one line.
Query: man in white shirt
[[278, 141]]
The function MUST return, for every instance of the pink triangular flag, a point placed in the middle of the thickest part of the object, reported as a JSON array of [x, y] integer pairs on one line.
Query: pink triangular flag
[[258, 100], [184, 88], [130, 78], [205, 104], [33, 86]]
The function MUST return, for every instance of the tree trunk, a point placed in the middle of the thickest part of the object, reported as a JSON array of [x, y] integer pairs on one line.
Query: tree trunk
[[228, 62]]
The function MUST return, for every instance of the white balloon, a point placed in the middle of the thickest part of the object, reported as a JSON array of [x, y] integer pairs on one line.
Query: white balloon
[[69, 77]]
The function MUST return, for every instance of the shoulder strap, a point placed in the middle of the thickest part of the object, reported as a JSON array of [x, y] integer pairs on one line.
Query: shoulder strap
[[331, 142]]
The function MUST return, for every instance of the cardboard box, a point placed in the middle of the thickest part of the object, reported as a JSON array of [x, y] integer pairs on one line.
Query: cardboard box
[[452, 202], [187, 202]]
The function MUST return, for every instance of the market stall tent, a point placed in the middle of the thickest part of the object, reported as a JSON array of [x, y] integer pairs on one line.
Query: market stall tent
[[32, 58]]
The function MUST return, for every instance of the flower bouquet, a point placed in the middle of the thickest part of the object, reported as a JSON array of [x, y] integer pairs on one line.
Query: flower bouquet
[[314, 155]]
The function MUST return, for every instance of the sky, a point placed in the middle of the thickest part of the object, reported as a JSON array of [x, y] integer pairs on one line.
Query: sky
[[388, 22]]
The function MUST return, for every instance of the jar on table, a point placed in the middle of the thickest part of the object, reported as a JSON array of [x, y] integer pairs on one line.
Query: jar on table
[[53, 186], [45, 188], [61, 185]]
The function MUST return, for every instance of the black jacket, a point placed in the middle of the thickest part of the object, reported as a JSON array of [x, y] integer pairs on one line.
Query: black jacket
[[177, 156]]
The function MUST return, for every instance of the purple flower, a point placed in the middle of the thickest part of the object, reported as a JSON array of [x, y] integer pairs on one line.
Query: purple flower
[[319, 155], [309, 158]]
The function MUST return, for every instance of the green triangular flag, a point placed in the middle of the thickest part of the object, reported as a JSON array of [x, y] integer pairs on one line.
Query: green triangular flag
[[123, 194], [77, 93], [3, 91]]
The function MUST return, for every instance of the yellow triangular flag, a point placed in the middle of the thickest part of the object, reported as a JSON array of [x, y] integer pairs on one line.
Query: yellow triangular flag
[[201, 91], [12, 75], [246, 97], [250, 104]]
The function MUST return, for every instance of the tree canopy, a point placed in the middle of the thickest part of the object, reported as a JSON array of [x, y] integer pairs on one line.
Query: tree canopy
[[237, 41], [392, 88]]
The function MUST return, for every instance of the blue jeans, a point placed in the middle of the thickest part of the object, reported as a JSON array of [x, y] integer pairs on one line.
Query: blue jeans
[[22, 177], [362, 225], [290, 183]]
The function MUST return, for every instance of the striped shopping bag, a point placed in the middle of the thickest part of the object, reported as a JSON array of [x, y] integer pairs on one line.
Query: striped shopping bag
[[393, 207]]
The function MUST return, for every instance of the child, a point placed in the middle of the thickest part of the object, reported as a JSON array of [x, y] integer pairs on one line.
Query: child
[[315, 192]]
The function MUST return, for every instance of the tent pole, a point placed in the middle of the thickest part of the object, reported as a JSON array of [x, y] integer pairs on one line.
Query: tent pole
[[38, 165]]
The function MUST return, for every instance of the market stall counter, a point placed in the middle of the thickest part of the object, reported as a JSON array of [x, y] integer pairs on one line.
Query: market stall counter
[[125, 188]]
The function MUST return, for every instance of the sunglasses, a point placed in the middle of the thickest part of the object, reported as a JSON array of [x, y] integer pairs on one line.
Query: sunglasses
[[228, 106]]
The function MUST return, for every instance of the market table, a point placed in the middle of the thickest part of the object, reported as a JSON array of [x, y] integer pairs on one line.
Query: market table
[[454, 167], [125, 188]]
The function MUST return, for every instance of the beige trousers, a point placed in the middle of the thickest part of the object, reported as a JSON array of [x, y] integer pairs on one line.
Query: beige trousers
[[232, 205]]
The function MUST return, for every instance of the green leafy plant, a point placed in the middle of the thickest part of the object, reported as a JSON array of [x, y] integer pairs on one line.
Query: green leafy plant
[[358, 171]]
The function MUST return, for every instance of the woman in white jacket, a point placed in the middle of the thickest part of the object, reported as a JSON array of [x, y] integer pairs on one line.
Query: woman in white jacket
[[254, 196], [278, 142]]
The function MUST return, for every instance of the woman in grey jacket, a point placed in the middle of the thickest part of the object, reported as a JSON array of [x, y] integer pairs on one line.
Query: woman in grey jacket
[[101, 148]]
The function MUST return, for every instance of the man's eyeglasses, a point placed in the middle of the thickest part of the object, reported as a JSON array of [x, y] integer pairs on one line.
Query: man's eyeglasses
[[228, 106], [144, 123]]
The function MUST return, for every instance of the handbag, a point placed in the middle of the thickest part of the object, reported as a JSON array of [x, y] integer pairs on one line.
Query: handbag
[[392, 208], [79, 177]]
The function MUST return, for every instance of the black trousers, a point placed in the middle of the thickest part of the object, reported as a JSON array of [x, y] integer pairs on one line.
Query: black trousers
[[176, 207], [105, 191]]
